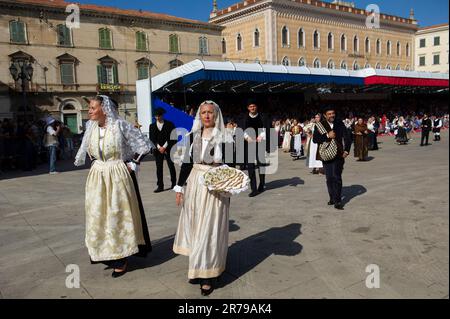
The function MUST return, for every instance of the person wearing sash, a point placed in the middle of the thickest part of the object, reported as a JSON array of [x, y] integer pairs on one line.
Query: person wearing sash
[[335, 130]]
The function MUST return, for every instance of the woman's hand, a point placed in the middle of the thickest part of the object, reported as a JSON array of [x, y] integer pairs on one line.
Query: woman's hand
[[179, 198]]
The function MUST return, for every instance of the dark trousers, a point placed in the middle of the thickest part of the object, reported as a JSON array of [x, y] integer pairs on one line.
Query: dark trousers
[[159, 158], [333, 173], [425, 135], [251, 167]]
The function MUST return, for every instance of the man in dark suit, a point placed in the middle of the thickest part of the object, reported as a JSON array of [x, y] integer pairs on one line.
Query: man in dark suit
[[160, 136], [333, 168], [426, 128]]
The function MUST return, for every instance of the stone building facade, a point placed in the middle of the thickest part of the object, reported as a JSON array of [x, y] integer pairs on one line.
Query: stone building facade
[[315, 34], [111, 49], [432, 49]]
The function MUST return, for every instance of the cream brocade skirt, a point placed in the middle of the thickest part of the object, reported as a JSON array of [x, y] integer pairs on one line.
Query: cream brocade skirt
[[202, 232], [113, 223]]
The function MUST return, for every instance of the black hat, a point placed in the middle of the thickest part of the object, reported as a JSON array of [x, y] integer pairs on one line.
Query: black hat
[[327, 108], [160, 111]]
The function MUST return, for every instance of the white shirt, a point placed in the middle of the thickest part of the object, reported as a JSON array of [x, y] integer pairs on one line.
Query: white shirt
[[160, 126]]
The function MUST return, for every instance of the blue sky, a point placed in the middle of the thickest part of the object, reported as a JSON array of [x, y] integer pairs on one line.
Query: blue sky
[[428, 12]]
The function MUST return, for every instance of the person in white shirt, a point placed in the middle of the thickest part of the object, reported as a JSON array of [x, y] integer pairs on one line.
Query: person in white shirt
[[51, 142]]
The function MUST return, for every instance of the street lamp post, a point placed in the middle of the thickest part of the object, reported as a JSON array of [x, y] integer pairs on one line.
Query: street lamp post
[[23, 71]]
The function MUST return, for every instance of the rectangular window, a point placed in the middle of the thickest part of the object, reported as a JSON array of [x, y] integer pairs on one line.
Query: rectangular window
[[107, 74], [142, 71], [173, 43], [422, 43], [437, 41], [105, 39], [141, 41], [17, 32], [422, 61], [203, 45], [64, 35], [67, 74], [436, 59]]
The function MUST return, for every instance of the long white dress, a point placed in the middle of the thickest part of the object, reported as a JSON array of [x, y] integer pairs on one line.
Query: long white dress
[[202, 232], [312, 162]]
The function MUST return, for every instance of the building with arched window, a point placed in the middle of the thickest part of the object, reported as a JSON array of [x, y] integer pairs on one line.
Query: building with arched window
[[313, 29]]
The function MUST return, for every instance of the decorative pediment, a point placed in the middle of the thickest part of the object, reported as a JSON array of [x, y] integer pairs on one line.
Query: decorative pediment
[[144, 60], [66, 57], [21, 56], [108, 59]]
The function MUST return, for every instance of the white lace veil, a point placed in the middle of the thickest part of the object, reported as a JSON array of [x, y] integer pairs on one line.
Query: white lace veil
[[129, 139], [219, 127]]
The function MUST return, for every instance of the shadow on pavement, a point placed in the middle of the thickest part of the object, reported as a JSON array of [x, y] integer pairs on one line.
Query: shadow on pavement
[[248, 253], [294, 181], [350, 192]]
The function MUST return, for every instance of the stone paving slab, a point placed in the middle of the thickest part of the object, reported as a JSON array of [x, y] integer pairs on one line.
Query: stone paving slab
[[285, 243]]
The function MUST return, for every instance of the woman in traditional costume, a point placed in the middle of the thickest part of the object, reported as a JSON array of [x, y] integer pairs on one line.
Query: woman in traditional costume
[[361, 140], [116, 227], [202, 232], [286, 145], [401, 136], [311, 153]]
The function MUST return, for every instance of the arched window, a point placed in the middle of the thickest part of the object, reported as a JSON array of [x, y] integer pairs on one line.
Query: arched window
[[174, 43], [330, 41], [389, 47], [316, 39], [398, 68], [203, 45], [388, 67], [407, 68], [316, 63], [301, 38], [256, 38], [367, 66], [355, 44], [285, 36], [17, 32], [141, 41], [224, 46], [105, 39], [330, 64], [302, 62], [239, 42], [344, 65], [285, 61], [367, 45], [399, 48], [378, 46], [356, 66], [343, 42], [378, 66]]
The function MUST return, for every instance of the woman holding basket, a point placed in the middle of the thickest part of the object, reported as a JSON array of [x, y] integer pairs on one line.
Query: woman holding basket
[[202, 232]]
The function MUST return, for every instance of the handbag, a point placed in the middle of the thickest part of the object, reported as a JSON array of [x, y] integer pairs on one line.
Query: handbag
[[327, 150]]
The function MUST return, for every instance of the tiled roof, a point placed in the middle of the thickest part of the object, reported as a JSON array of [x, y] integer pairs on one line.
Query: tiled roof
[[434, 26], [110, 10], [316, 3]]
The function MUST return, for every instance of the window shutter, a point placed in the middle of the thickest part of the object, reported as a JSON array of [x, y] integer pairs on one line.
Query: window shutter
[[67, 73], [100, 74], [13, 31], [21, 31], [115, 75]]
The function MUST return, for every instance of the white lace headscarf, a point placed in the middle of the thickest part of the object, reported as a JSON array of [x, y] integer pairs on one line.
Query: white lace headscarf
[[217, 135], [129, 139]]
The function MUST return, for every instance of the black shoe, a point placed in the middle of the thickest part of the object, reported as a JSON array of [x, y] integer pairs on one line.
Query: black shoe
[[330, 203], [253, 194], [206, 292], [261, 189], [339, 206], [117, 274], [159, 189]]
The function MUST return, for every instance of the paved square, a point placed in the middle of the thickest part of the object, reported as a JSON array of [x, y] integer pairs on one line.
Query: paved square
[[285, 243]]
